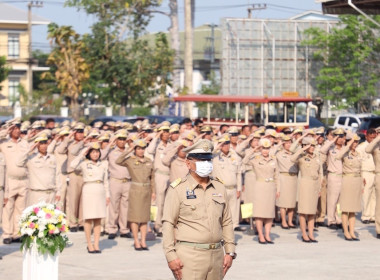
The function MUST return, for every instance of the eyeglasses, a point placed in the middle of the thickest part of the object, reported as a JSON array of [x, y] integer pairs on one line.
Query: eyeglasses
[[79, 131], [122, 139], [43, 142]]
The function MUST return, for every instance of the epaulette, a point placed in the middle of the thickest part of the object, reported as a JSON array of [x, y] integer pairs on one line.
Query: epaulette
[[220, 180], [273, 156], [133, 156], [175, 183], [257, 157]]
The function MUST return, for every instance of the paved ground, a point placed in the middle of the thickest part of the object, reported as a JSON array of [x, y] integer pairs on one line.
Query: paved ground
[[289, 258]]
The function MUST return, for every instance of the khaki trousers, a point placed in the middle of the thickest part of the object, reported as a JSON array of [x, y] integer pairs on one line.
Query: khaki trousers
[[334, 186], [377, 208], [118, 208], [161, 183], [40, 196], [234, 203], [17, 194], [199, 264], [322, 202], [74, 193], [63, 201], [1, 204], [368, 197]]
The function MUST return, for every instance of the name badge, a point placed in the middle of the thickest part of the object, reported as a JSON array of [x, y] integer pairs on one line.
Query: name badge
[[190, 195], [307, 159], [217, 195]]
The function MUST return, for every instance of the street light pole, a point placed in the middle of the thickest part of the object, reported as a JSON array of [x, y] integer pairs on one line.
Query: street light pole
[[31, 4]]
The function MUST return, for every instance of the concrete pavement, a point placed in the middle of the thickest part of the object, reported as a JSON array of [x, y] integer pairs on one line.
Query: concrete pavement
[[288, 258]]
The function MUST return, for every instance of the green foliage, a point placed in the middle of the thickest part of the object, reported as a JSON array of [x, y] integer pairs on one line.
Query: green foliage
[[45, 245], [4, 70], [213, 88], [346, 59], [140, 111]]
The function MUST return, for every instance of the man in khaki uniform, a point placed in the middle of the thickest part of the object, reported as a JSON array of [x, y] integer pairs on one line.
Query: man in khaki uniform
[[368, 174], [161, 172], [72, 147], [175, 159], [120, 183], [44, 180], [2, 184], [334, 177], [374, 149], [322, 201], [196, 219], [227, 167], [16, 186]]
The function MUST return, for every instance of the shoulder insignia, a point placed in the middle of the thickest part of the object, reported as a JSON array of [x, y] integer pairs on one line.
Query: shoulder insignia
[[220, 180], [257, 157], [133, 156], [175, 182]]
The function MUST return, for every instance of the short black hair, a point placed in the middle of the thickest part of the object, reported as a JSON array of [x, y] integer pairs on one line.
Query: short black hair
[[89, 152], [186, 120], [329, 130], [197, 121], [222, 126], [49, 120], [244, 126]]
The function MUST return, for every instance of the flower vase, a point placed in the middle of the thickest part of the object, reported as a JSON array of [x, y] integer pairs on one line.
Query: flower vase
[[37, 266]]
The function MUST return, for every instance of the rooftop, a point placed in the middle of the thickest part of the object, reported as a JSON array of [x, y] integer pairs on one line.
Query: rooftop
[[11, 14]]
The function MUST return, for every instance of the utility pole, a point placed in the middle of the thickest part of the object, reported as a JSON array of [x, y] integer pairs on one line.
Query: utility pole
[[188, 52], [256, 7], [31, 4]]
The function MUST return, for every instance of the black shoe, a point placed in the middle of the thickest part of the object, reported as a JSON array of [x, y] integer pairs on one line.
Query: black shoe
[[73, 229], [313, 240], [306, 241], [269, 242], [159, 234], [16, 240], [355, 239], [91, 252], [244, 223], [239, 229], [98, 252], [293, 226], [9, 240], [288, 227], [126, 235], [144, 248], [333, 227], [320, 224], [102, 233], [262, 242], [372, 221], [348, 239], [378, 236], [366, 222], [138, 249], [339, 226], [112, 236], [81, 228]]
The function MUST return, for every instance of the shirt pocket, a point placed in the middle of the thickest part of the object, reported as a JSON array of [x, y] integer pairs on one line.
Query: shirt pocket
[[192, 209], [217, 207]]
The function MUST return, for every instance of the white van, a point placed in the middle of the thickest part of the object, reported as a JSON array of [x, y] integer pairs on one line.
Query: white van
[[350, 121]]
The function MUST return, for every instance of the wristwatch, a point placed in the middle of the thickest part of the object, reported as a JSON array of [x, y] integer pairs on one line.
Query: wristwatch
[[233, 255]]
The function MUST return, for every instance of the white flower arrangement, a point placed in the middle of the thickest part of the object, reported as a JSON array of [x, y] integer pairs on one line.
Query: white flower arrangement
[[45, 225]]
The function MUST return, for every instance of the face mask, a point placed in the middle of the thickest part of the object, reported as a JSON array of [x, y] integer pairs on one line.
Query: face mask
[[203, 168]]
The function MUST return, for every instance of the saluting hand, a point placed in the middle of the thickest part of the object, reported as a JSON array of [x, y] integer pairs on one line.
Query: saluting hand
[[227, 263], [176, 267]]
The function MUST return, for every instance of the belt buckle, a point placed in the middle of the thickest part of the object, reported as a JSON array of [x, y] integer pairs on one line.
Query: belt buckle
[[97, 181], [124, 180], [212, 246]]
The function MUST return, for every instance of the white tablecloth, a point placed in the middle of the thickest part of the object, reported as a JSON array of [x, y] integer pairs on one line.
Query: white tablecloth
[[39, 267]]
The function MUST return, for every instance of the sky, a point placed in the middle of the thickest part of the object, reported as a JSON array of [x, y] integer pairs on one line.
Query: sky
[[207, 12]]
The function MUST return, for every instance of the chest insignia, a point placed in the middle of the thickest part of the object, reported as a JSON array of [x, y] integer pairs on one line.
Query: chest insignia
[[190, 195], [217, 195]]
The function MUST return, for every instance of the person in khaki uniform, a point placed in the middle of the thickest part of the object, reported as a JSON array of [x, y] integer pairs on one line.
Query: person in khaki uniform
[[350, 195], [120, 183], [265, 190], [334, 177], [374, 149], [310, 167], [95, 192], [142, 190], [44, 180], [288, 177], [2, 184], [161, 172], [16, 185], [368, 174], [322, 201], [196, 219], [175, 159], [72, 148], [227, 167]]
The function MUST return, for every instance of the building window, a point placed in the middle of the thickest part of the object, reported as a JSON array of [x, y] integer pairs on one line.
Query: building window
[[13, 45], [13, 93]]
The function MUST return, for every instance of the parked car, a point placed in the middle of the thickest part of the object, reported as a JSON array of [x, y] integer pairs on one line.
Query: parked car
[[158, 119], [56, 118], [104, 119], [367, 123], [4, 119], [350, 121]]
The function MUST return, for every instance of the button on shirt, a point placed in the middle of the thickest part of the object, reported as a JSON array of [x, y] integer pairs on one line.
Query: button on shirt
[[193, 214], [227, 167]]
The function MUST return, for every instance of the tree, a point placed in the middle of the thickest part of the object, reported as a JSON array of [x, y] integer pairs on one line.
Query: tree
[[4, 70], [346, 60], [72, 69]]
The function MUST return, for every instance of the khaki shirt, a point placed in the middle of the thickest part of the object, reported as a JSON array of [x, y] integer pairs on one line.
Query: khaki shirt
[[115, 170], [228, 169], [140, 170], [43, 172], [265, 169], [61, 158], [93, 172], [156, 147], [12, 152], [310, 166], [334, 165], [351, 161], [374, 149], [367, 159], [284, 163], [177, 165], [72, 148], [203, 217], [2, 171]]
